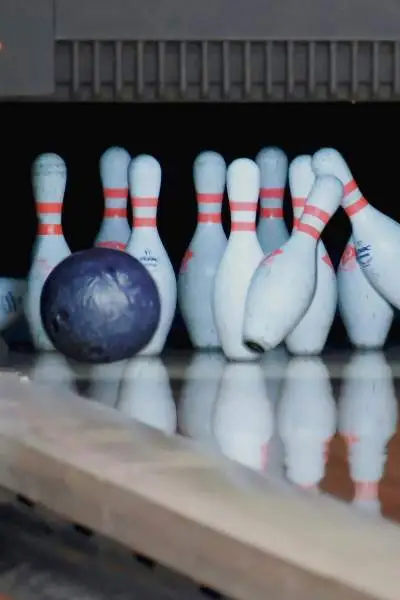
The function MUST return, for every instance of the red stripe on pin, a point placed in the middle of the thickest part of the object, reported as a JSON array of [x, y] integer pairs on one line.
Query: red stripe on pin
[[314, 211], [209, 218], [309, 230], [115, 212], [271, 192], [243, 206], [115, 192], [243, 227], [143, 202], [209, 198], [350, 187], [353, 209], [112, 245], [49, 229], [298, 202], [267, 213], [49, 208], [144, 222]]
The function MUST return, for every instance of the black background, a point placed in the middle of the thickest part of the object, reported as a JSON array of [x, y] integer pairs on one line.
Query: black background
[[365, 134]]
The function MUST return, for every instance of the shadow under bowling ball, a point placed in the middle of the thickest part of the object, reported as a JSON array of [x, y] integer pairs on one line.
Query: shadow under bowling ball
[[99, 306]]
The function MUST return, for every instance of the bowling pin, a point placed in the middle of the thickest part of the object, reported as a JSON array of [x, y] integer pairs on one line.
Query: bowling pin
[[306, 420], [202, 258], [114, 231], [199, 395], [310, 334], [12, 292], [145, 394], [243, 420], [377, 237], [283, 286], [366, 315], [144, 176], [49, 177], [272, 232], [368, 415], [242, 256]]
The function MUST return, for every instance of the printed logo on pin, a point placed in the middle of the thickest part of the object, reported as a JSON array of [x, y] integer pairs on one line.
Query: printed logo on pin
[[364, 254]]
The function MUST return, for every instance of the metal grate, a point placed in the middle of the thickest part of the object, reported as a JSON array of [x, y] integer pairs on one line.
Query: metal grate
[[233, 71]]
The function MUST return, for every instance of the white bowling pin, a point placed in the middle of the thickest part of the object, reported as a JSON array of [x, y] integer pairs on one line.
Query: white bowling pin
[[367, 420], [199, 394], [283, 286], [144, 175], [307, 420], [241, 258], [105, 380], [243, 419], [204, 254], [49, 177], [114, 231], [376, 236], [52, 369], [145, 394], [310, 334], [12, 292], [272, 232]]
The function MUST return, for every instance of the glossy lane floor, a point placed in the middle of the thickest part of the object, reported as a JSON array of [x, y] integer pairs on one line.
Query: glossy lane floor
[[324, 423]]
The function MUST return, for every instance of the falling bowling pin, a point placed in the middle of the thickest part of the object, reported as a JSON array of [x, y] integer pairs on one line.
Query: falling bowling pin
[[202, 258], [242, 256], [376, 236], [272, 232], [144, 176], [49, 177], [310, 334], [114, 231], [283, 286]]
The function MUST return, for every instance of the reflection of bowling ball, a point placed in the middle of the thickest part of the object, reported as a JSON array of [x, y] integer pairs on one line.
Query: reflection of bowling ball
[[100, 305]]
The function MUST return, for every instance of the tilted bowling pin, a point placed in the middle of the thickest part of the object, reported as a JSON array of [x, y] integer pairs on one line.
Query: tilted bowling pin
[[242, 256], [243, 419], [307, 420], [376, 236], [366, 315], [310, 334], [114, 231], [145, 394], [368, 413], [49, 177], [144, 176], [272, 232], [283, 286], [202, 258]]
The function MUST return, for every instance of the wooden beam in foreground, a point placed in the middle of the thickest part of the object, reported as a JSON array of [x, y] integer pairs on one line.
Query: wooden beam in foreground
[[164, 498]]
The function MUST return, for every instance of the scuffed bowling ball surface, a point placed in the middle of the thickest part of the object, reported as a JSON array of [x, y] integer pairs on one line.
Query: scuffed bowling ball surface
[[100, 305]]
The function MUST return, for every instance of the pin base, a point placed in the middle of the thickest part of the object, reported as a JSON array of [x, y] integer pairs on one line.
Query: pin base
[[254, 346]]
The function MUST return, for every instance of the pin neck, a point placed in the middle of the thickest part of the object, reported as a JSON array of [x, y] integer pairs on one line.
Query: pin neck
[[271, 203], [144, 211], [112, 212], [49, 215], [112, 245], [313, 221], [243, 216], [209, 207], [353, 201]]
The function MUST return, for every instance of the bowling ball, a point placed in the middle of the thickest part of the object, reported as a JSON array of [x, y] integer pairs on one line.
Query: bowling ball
[[100, 306]]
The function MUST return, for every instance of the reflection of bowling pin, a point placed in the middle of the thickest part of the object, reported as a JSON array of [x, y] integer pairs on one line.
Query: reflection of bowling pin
[[49, 177], [52, 369], [241, 258], [243, 419], [198, 397], [105, 381], [367, 420], [283, 285], [272, 232], [366, 315], [114, 231], [310, 334], [145, 394], [144, 175], [202, 258], [274, 364], [306, 420]]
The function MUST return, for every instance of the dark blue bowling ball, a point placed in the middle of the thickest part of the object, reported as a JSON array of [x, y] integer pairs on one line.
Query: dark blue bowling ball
[[100, 306]]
